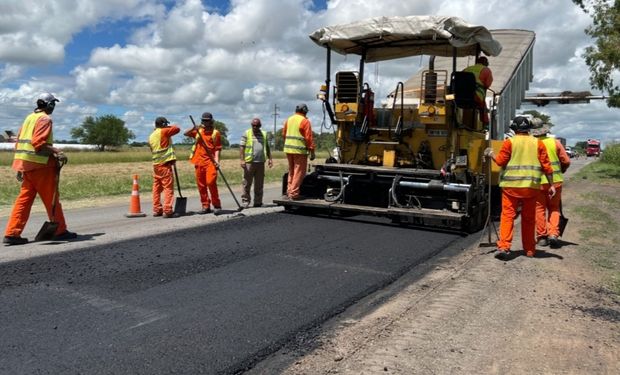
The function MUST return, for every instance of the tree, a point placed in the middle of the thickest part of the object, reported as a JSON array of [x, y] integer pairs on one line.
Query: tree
[[603, 58], [102, 131], [221, 127]]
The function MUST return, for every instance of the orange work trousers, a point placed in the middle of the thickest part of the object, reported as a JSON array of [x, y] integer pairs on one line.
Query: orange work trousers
[[206, 180], [548, 211], [40, 181], [512, 198], [162, 182], [297, 165]]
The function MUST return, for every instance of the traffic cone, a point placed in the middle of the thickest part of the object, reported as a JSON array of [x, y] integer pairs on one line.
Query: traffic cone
[[134, 204]]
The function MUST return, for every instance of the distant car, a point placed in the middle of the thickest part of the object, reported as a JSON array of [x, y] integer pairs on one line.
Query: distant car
[[570, 152]]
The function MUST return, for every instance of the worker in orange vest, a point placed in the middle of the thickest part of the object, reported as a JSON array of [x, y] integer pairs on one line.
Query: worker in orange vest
[[525, 160], [484, 80], [163, 157], [548, 207], [205, 156], [298, 142], [37, 163]]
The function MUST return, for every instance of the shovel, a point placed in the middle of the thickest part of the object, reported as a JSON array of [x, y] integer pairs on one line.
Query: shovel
[[240, 208], [563, 221], [180, 204], [48, 230]]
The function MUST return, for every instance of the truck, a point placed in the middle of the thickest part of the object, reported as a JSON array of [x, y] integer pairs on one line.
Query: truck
[[417, 156], [593, 147]]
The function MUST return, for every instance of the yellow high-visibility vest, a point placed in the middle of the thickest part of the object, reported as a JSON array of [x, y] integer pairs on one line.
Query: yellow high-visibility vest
[[24, 149], [524, 169], [249, 145], [481, 91], [550, 145], [160, 155], [294, 143]]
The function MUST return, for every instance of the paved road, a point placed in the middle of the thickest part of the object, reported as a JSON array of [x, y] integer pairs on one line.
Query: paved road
[[198, 294]]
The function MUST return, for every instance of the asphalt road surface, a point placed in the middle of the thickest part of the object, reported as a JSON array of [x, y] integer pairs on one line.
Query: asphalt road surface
[[197, 294]]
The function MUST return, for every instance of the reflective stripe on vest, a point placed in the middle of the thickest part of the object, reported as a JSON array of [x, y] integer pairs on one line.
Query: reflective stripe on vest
[[294, 142], [523, 170], [550, 145], [24, 149], [481, 91], [204, 142], [249, 145], [160, 155]]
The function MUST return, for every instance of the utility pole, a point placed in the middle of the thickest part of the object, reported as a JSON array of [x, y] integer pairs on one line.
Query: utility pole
[[275, 116]]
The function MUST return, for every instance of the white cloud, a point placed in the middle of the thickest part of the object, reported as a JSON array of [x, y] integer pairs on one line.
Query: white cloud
[[238, 62]]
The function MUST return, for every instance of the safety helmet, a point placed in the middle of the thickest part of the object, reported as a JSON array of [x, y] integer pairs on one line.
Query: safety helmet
[[521, 124], [47, 102], [301, 108], [256, 122], [482, 60], [543, 130], [207, 116], [161, 122]]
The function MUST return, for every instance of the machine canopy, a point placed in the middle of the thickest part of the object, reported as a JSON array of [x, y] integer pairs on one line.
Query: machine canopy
[[386, 38]]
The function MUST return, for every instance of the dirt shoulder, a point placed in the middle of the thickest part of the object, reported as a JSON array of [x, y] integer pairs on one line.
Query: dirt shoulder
[[465, 312]]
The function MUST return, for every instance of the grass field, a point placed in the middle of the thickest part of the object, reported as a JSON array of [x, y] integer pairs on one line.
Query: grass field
[[90, 175]]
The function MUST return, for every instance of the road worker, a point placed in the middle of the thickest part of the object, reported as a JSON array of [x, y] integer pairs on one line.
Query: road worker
[[164, 158], [298, 142], [484, 80], [254, 151], [37, 163], [525, 160], [548, 207], [205, 156]]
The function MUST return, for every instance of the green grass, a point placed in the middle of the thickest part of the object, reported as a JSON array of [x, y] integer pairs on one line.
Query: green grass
[[599, 171]]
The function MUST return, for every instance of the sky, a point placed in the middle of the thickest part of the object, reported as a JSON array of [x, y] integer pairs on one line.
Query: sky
[[239, 59]]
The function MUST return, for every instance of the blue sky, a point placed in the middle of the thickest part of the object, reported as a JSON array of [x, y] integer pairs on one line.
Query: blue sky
[[139, 59]]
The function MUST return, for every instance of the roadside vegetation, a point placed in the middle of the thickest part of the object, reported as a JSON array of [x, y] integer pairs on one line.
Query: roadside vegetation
[[599, 214]]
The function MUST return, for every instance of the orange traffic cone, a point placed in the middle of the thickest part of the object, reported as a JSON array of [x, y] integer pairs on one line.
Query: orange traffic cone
[[134, 204]]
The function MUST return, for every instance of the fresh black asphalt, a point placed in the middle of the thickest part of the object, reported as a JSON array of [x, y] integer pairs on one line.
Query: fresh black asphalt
[[210, 299]]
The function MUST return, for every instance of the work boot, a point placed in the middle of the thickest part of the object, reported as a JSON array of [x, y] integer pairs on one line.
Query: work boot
[[258, 205], [530, 254], [171, 215], [217, 210], [204, 211], [553, 242], [14, 240], [246, 204], [65, 236], [543, 241], [156, 214], [502, 254]]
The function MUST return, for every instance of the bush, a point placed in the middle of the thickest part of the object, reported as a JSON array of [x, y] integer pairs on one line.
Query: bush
[[611, 154]]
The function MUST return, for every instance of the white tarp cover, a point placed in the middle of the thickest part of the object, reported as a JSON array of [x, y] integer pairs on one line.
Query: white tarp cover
[[385, 38]]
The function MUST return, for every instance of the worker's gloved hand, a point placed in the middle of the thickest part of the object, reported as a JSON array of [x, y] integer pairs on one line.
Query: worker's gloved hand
[[488, 152], [61, 158], [217, 165], [312, 155], [551, 191], [242, 164], [20, 176]]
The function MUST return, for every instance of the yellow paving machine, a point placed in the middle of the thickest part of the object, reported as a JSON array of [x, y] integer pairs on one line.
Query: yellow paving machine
[[416, 157]]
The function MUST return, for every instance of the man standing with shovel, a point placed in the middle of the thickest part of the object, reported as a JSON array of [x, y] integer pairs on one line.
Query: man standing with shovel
[[164, 159], [37, 163]]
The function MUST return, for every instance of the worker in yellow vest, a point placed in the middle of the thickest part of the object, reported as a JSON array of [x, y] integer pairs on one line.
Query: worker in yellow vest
[[254, 152], [37, 163], [525, 160], [548, 207], [484, 80], [298, 143], [163, 158]]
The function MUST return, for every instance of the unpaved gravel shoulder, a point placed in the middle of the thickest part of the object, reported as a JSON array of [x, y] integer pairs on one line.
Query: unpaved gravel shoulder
[[466, 312]]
